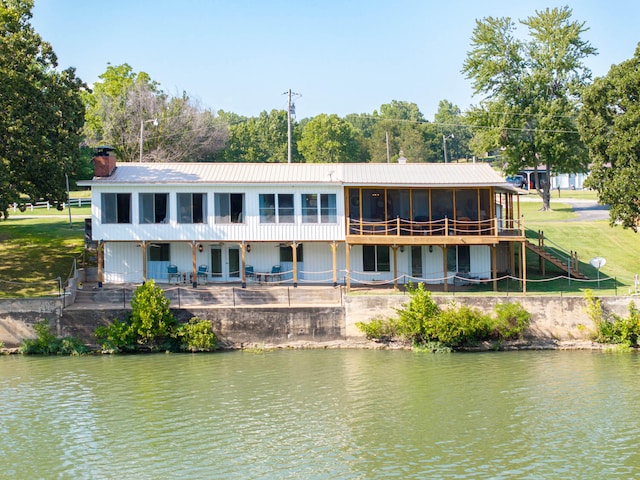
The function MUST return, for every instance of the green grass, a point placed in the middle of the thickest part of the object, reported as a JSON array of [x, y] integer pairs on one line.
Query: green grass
[[35, 252]]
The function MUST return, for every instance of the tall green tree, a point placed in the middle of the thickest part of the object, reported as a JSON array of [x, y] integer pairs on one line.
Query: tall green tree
[[454, 130], [531, 91], [259, 139], [41, 112], [329, 139], [609, 124]]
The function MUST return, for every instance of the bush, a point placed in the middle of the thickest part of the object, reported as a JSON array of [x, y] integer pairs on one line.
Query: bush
[[429, 328], [117, 337], [46, 343], [463, 325], [379, 328], [416, 318], [511, 320], [611, 328], [151, 319], [197, 336]]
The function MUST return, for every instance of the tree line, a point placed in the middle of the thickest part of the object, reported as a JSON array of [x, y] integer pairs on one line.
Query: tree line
[[538, 107]]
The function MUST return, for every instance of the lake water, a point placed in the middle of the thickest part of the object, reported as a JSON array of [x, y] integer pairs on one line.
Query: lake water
[[321, 414]]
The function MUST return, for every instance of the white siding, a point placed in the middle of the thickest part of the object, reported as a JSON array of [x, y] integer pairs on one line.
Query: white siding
[[480, 261], [250, 230], [432, 269], [122, 263]]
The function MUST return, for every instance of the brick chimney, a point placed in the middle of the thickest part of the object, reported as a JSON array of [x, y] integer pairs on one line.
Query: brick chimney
[[104, 162]]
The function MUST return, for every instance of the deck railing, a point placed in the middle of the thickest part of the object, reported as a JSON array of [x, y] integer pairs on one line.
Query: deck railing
[[443, 227]]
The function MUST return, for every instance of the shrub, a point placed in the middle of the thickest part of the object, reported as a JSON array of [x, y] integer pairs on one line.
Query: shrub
[[611, 328], [379, 328], [46, 343], [463, 325], [151, 319], [416, 318], [197, 336], [511, 320], [117, 337], [150, 326]]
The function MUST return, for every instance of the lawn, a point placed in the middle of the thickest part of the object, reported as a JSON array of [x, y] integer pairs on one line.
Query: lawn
[[35, 252], [589, 239]]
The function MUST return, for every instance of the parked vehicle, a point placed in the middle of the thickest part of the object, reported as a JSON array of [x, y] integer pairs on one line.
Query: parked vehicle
[[516, 180]]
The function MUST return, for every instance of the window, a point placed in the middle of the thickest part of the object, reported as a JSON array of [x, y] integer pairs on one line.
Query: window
[[276, 208], [320, 207], [286, 254], [375, 258], [459, 259], [116, 208], [229, 207], [159, 252], [154, 208], [192, 207]]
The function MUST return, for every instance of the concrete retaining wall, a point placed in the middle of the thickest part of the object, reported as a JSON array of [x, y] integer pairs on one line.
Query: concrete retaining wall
[[560, 318], [238, 326], [17, 317]]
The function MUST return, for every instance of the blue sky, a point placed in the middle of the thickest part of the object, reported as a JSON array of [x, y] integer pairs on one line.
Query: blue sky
[[342, 56]]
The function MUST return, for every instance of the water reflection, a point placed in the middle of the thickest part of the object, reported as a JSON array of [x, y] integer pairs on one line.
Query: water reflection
[[321, 414]]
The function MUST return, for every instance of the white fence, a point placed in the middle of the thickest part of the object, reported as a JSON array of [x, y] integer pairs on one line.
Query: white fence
[[74, 202]]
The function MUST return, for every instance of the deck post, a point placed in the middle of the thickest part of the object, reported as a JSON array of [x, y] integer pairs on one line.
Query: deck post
[[524, 269], [394, 247], [347, 254], [243, 272], [294, 255], [494, 267], [100, 259], [143, 248], [444, 269], [334, 248], [194, 268]]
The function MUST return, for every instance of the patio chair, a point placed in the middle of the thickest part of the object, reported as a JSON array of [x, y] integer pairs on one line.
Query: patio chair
[[172, 272], [249, 272], [275, 273], [203, 270]]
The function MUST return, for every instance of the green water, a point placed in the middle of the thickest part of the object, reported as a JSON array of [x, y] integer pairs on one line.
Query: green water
[[321, 415]]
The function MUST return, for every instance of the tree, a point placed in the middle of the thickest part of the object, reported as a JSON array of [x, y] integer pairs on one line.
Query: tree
[[453, 129], [531, 91], [327, 138], [41, 113], [261, 139], [126, 106], [609, 124]]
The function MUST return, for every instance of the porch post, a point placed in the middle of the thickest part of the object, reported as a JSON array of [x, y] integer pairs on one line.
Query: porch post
[[194, 268], [334, 248], [444, 269], [348, 266], [144, 261], [524, 269], [243, 265], [494, 267], [294, 255], [100, 259], [394, 247]]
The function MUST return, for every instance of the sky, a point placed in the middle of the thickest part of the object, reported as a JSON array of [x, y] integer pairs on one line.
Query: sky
[[340, 56]]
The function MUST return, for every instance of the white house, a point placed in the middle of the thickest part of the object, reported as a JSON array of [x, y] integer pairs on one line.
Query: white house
[[316, 223]]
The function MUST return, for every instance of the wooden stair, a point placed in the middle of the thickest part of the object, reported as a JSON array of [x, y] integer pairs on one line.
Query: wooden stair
[[562, 265]]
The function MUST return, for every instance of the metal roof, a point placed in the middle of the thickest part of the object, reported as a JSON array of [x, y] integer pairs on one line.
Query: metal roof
[[364, 174]]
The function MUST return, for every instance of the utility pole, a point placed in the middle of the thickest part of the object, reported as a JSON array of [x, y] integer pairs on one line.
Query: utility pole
[[386, 136], [290, 110]]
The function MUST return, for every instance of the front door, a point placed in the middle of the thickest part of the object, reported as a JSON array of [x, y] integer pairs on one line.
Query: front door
[[225, 263]]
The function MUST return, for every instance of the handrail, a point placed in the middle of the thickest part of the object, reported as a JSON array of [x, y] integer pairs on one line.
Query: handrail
[[440, 227]]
